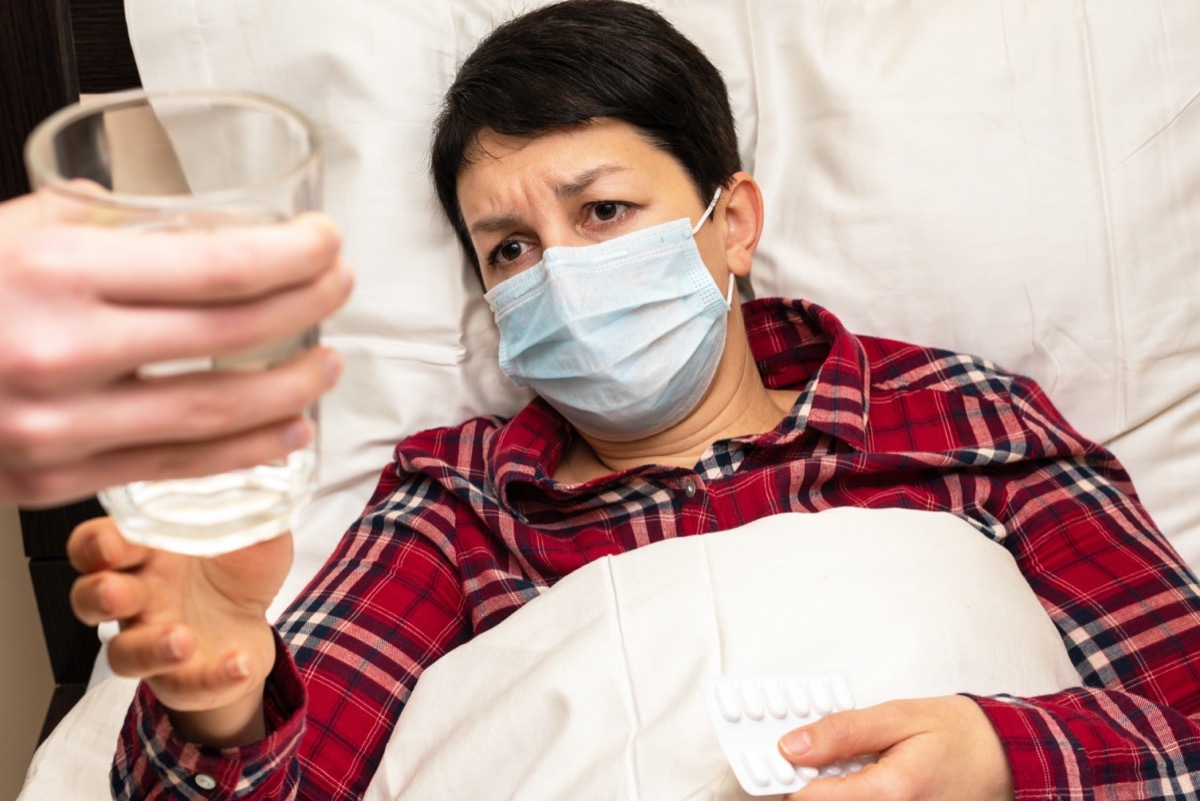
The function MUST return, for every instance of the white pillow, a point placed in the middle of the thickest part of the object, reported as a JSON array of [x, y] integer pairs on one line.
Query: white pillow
[[1003, 178], [1016, 180]]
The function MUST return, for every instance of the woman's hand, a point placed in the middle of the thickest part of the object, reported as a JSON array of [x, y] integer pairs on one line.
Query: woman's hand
[[933, 749], [194, 629]]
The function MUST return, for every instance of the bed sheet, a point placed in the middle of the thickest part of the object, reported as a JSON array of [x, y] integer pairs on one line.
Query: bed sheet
[[591, 691]]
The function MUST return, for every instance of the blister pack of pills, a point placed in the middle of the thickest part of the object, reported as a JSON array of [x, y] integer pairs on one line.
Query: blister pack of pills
[[751, 713]]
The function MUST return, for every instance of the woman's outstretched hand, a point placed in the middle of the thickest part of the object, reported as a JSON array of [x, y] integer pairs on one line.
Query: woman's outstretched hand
[[194, 629]]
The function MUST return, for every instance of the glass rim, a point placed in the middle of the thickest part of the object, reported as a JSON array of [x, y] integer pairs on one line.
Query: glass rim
[[46, 175]]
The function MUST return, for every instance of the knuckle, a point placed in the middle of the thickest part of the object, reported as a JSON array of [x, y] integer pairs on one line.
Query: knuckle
[[41, 362], [839, 727], [213, 409], [177, 461], [231, 266], [37, 253], [39, 487], [33, 434], [304, 383], [243, 327]]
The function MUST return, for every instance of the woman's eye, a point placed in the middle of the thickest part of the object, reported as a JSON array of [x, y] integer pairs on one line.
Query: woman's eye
[[608, 210], [508, 251]]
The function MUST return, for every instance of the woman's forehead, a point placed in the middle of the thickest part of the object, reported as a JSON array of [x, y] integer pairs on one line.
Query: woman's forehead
[[557, 162]]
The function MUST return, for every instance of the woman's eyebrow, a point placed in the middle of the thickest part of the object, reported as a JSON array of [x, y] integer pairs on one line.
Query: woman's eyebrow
[[570, 189], [494, 225], [564, 191]]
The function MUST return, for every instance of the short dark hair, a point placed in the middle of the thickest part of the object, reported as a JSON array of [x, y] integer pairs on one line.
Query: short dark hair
[[563, 65]]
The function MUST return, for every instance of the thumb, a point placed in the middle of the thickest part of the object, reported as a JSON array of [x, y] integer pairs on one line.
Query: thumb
[[843, 735]]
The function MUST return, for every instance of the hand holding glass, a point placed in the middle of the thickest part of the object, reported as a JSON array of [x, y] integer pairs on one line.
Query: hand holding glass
[[193, 160]]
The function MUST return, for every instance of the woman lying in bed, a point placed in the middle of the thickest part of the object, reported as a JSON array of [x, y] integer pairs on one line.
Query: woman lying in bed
[[587, 159]]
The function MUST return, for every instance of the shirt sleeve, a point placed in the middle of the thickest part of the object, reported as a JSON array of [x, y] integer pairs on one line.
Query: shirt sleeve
[[153, 762], [385, 606], [1128, 610]]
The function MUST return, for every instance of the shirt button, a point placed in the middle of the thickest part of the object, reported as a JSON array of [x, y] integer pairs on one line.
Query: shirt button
[[205, 782], [689, 488]]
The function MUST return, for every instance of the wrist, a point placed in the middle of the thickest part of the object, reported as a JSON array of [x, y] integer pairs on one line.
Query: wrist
[[236, 724], [240, 720]]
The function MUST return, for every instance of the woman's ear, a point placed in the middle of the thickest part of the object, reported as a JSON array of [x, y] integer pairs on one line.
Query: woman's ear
[[743, 215]]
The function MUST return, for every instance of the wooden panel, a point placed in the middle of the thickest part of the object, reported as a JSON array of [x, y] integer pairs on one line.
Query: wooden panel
[[38, 58], [45, 531], [41, 42], [37, 71], [102, 51], [72, 645]]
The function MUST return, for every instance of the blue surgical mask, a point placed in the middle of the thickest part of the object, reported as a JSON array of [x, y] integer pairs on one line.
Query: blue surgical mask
[[622, 337]]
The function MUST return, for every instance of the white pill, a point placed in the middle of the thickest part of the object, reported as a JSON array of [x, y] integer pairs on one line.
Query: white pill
[[773, 696], [727, 702], [832, 770], [752, 703], [756, 767], [797, 697], [842, 697], [806, 773], [781, 769], [822, 701]]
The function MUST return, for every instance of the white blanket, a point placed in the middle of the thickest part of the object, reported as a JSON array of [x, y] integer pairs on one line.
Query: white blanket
[[591, 691]]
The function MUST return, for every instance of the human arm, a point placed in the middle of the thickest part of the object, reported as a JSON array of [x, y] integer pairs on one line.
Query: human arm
[[386, 604], [1129, 614], [84, 306]]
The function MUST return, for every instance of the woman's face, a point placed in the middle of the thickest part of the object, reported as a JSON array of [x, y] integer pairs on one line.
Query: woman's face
[[570, 188]]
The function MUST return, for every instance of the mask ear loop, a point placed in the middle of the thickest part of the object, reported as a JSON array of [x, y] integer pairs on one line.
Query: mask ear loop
[[707, 211], [712, 205]]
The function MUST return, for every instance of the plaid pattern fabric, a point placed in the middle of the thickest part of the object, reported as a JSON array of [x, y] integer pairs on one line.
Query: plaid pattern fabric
[[466, 525]]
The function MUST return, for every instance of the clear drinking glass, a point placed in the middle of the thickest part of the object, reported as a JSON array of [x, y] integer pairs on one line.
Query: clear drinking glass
[[163, 161]]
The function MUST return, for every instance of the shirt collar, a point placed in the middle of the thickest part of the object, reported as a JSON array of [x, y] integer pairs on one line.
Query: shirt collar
[[796, 344]]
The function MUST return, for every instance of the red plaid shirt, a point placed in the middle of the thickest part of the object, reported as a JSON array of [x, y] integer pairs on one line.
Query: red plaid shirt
[[466, 525]]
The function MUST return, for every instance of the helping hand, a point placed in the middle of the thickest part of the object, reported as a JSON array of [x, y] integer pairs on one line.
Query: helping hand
[[194, 629], [82, 307], [934, 749]]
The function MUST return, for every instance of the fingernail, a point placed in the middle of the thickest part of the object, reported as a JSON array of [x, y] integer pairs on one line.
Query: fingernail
[[296, 435], [238, 667], [796, 743], [333, 368], [174, 645], [326, 222]]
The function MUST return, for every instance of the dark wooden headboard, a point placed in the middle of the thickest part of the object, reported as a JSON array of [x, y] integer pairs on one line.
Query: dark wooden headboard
[[50, 52]]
